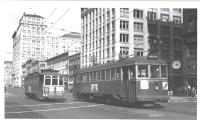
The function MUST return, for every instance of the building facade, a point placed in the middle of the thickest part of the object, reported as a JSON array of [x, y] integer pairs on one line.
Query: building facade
[[52, 47], [60, 44], [59, 63], [8, 72], [190, 47], [70, 43], [109, 32], [28, 41]]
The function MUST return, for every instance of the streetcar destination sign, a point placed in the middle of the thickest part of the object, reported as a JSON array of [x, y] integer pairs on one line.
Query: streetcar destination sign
[[176, 64]]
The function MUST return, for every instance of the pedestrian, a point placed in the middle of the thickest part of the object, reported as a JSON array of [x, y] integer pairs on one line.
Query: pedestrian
[[194, 94]]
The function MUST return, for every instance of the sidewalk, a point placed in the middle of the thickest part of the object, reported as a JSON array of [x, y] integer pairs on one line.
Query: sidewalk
[[181, 99]]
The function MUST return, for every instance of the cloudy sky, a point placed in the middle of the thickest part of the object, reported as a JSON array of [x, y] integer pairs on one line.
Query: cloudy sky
[[11, 12]]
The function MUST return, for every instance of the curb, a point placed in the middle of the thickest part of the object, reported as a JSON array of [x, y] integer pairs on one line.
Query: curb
[[181, 99]]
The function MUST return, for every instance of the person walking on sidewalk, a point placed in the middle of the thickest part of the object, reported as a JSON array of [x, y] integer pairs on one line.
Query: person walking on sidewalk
[[194, 94]]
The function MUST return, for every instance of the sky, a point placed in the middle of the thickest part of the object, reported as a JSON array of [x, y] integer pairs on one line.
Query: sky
[[12, 11], [11, 14]]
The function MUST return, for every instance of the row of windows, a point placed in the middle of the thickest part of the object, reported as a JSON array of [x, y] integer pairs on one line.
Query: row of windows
[[164, 17], [108, 74], [156, 71], [53, 80]]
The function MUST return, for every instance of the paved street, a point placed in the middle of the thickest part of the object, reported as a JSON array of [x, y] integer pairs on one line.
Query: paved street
[[17, 105]]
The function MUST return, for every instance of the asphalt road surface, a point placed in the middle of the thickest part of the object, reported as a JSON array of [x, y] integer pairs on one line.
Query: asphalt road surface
[[17, 105]]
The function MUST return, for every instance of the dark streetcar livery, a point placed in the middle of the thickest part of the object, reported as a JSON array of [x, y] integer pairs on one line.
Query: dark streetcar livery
[[132, 80], [47, 84]]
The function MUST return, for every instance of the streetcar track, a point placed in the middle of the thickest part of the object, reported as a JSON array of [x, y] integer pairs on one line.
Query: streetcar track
[[8, 106], [45, 110]]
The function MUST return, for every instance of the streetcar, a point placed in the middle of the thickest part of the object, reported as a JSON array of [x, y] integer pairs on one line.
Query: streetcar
[[47, 84], [142, 80]]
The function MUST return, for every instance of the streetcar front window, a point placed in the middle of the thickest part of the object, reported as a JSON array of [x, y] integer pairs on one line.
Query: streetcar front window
[[92, 74], [98, 75], [163, 71], [108, 74], [60, 80], [132, 71], [113, 74], [84, 77], [155, 71], [79, 77], [47, 80], [103, 75], [118, 73], [142, 71], [54, 80]]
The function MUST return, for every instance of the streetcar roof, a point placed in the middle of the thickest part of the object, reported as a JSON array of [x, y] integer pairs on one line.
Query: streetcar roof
[[143, 60], [38, 74], [45, 72]]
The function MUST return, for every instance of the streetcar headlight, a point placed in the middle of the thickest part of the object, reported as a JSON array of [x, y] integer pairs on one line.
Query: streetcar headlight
[[144, 84], [165, 85]]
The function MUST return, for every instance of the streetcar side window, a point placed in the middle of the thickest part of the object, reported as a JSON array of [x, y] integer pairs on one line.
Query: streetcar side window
[[88, 76], [132, 71], [92, 74], [84, 77], [163, 71], [108, 74], [47, 80], [98, 75], [61, 80], [54, 80], [155, 71], [142, 71], [118, 73], [113, 74], [80, 78], [102, 74]]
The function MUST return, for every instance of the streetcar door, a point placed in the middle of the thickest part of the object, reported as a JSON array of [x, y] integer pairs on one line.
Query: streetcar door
[[125, 74], [131, 84]]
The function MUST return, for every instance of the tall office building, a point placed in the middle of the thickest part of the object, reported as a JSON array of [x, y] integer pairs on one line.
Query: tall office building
[[52, 47], [70, 43], [57, 45], [7, 72], [28, 42], [190, 46], [108, 33]]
